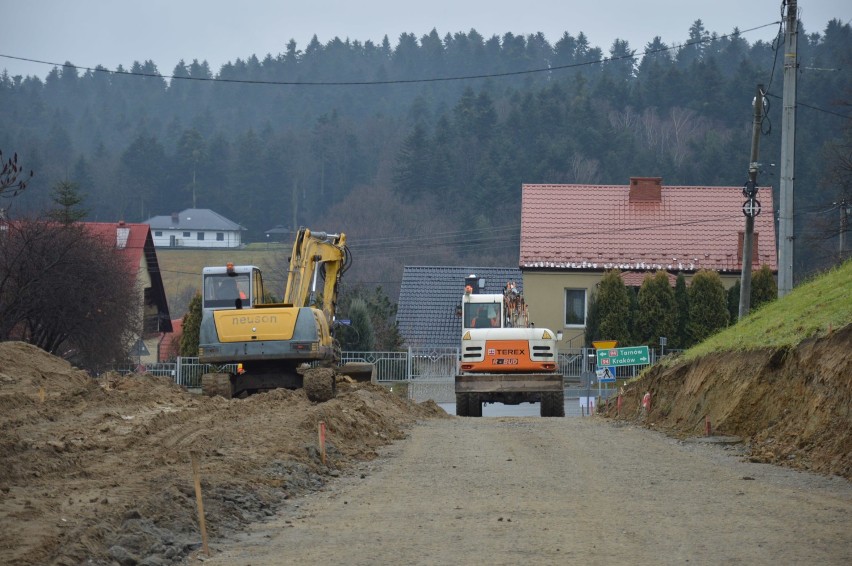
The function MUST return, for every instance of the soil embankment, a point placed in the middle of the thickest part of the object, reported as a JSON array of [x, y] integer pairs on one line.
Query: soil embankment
[[792, 406]]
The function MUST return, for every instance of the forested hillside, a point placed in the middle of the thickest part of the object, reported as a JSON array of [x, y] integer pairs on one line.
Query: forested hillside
[[418, 150]]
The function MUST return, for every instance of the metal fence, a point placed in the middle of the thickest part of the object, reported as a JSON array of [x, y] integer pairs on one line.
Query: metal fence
[[184, 371], [428, 373]]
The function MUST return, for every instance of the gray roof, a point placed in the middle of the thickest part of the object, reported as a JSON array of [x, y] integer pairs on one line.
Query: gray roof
[[428, 296], [193, 219]]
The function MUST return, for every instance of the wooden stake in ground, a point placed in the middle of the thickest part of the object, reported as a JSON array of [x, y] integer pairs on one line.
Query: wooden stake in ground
[[196, 475]]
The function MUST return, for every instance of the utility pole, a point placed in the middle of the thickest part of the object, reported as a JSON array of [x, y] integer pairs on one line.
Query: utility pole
[[788, 146], [751, 207]]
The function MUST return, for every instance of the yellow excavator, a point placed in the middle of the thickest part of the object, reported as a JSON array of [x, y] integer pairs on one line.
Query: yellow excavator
[[274, 344]]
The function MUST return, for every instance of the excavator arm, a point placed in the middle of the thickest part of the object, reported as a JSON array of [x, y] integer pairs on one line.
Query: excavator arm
[[316, 255]]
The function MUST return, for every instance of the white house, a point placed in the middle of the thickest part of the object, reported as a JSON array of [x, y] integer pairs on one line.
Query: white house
[[195, 228]]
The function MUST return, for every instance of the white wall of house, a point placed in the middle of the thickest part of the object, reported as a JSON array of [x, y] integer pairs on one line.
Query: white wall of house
[[196, 238]]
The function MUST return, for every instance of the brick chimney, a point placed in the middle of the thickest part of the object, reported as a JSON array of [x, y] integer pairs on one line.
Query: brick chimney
[[646, 189], [175, 218]]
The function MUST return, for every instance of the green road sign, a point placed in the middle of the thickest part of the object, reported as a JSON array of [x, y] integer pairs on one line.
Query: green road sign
[[634, 356]]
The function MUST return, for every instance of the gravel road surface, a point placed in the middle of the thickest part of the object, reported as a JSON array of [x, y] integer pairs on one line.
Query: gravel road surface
[[527, 490]]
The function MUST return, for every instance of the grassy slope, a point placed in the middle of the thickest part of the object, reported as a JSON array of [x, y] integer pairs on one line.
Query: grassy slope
[[812, 309], [779, 379]]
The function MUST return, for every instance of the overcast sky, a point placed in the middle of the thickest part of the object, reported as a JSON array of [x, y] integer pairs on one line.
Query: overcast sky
[[112, 32]]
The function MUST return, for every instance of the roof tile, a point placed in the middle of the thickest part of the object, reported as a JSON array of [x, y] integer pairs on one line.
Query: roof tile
[[597, 227]]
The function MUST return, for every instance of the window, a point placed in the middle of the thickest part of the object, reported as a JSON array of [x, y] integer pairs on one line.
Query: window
[[480, 315], [158, 233], [186, 234], [220, 236], [221, 290], [575, 307], [201, 235]]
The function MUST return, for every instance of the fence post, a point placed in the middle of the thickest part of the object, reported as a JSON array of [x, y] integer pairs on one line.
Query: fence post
[[408, 368], [178, 376]]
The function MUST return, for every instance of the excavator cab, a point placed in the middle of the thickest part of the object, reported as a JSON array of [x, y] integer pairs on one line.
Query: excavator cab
[[232, 287], [482, 315]]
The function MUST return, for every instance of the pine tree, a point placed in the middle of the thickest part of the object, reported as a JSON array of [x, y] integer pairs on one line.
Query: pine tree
[[67, 197]]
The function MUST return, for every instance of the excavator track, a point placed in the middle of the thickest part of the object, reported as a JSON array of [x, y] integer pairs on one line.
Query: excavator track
[[213, 384]]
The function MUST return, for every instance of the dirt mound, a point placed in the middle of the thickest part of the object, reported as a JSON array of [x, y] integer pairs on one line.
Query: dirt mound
[[99, 469], [25, 369], [790, 404]]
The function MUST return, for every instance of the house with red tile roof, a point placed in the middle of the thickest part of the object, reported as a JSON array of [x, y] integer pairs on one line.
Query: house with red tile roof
[[136, 246], [572, 234]]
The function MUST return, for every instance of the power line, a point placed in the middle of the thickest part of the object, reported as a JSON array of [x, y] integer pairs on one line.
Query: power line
[[414, 246], [100, 69], [818, 109]]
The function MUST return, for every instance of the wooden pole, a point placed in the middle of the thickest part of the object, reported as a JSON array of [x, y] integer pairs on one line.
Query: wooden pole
[[750, 192], [196, 475]]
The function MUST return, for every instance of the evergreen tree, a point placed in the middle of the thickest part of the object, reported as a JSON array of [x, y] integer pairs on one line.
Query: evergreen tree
[[764, 289], [695, 47], [708, 305], [67, 197], [592, 320], [614, 305], [382, 313], [413, 164], [191, 157], [734, 301], [143, 174], [681, 297], [622, 63], [633, 295], [359, 336], [657, 310], [191, 328]]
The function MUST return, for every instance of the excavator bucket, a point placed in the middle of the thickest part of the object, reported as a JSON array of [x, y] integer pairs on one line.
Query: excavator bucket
[[359, 371]]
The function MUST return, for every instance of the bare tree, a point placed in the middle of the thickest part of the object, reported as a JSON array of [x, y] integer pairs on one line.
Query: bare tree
[[585, 171], [684, 126], [11, 183], [67, 292], [624, 120]]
